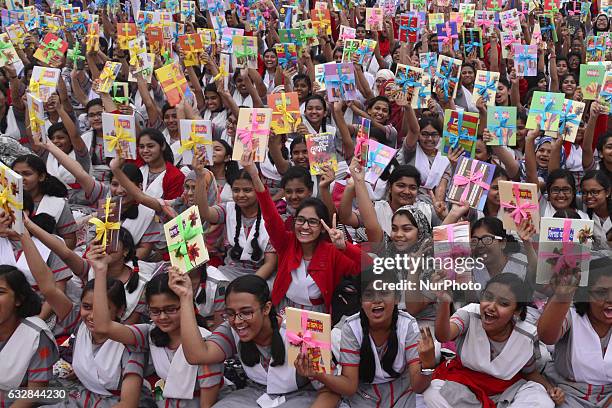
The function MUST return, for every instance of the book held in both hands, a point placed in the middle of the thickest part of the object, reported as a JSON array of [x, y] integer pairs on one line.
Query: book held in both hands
[[309, 333]]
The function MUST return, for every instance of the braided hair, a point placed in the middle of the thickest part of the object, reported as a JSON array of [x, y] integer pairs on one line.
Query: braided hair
[[258, 287], [236, 251], [128, 244]]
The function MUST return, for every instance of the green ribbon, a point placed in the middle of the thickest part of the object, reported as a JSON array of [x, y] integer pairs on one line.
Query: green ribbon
[[4, 46], [122, 100], [245, 53], [52, 46], [74, 54], [351, 50], [187, 232]]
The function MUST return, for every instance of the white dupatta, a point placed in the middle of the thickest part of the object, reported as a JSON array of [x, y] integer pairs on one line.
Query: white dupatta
[[588, 363]]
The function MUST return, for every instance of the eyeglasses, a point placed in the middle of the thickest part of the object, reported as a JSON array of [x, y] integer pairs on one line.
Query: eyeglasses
[[428, 135], [561, 190], [601, 294], [593, 193], [370, 295], [312, 222], [486, 240], [231, 316], [170, 310]]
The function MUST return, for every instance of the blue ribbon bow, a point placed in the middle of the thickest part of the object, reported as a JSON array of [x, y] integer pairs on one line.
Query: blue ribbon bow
[[462, 133], [503, 124], [445, 79], [406, 82], [423, 93], [483, 90], [469, 47], [567, 118], [607, 96], [593, 50], [548, 108], [372, 158]]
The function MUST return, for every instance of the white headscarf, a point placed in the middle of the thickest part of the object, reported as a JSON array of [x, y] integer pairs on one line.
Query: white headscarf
[[385, 74]]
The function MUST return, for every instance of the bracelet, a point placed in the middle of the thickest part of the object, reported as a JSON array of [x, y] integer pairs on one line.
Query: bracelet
[[427, 371]]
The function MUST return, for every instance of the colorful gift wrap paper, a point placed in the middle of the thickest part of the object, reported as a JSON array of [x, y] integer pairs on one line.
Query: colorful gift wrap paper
[[196, 137], [501, 122], [460, 130], [471, 182], [309, 333], [252, 131], [185, 240], [519, 201]]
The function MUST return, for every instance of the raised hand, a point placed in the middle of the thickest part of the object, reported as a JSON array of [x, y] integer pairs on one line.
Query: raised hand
[[327, 177], [335, 235], [180, 283], [97, 258], [247, 162], [426, 349], [356, 170]]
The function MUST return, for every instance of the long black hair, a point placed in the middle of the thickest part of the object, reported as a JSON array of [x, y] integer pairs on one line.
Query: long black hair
[[367, 366], [603, 180], [236, 250], [135, 175], [158, 137], [50, 185], [231, 166], [322, 100], [114, 291], [201, 270], [297, 173], [566, 175], [127, 241], [519, 289], [258, 287], [30, 303]]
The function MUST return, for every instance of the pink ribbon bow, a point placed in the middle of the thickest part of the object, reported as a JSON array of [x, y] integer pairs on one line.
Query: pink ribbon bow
[[373, 21], [305, 338], [484, 23], [449, 34], [246, 135], [511, 24], [519, 211], [474, 177], [567, 258]]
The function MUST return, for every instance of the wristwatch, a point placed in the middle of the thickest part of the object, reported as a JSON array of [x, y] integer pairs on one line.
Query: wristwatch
[[427, 371]]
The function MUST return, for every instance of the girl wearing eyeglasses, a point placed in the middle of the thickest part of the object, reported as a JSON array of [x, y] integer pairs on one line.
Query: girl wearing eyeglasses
[[498, 250], [581, 334], [596, 190], [108, 373], [561, 189], [385, 362], [253, 331], [496, 352], [309, 267], [184, 385]]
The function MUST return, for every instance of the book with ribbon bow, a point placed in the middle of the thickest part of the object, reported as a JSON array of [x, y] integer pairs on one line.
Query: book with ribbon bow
[[191, 45], [107, 223], [596, 48], [340, 82], [434, 19], [285, 17], [501, 122], [119, 133], [309, 333], [547, 28], [154, 33], [321, 152], [486, 21], [125, 33], [552, 6], [120, 93], [508, 40], [485, 87], [92, 39], [591, 80], [286, 115], [287, 55], [8, 54], [519, 201], [138, 51], [459, 130], [196, 137], [208, 40], [146, 68], [227, 38], [307, 34], [350, 48], [185, 239], [605, 95], [245, 52], [510, 20], [31, 18], [188, 9], [104, 83], [472, 43], [361, 141], [17, 34], [450, 242], [36, 116], [409, 28], [290, 35], [378, 158], [448, 37], [51, 50], [215, 7], [408, 79], [429, 62], [374, 19], [366, 52], [252, 131], [446, 79], [467, 11], [321, 20], [11, 197], [545, 111], [471, 182], [564, 247], [173, 83], [320, 75], [347, 33], [569, 122], [526, 60], [423, 92], [43, 82], [495, 5]]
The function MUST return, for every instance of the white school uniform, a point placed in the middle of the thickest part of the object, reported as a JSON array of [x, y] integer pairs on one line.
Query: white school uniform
[[155, 189]]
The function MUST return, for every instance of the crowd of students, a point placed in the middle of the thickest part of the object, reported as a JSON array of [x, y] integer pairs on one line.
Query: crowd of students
[[125, 329]]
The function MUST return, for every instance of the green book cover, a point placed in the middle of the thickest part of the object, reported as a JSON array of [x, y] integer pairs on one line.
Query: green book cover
[[545, 110], [460, 129], [591, 80]]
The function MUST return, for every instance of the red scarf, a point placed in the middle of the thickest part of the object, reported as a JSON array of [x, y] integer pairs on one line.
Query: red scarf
[[481, 384]]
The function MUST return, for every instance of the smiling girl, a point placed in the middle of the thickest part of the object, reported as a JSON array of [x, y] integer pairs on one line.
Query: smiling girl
[[496, 352], [309, 267], [596, 190], [185, 385], [48, 194], [161, 179], [252, 330], [581, 336]]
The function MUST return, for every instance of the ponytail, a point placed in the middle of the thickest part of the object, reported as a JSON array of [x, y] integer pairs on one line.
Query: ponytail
[[278, 345], [132, 283], [257, 253], [128, 244], [201, 298], [236, 251], [366, 365]]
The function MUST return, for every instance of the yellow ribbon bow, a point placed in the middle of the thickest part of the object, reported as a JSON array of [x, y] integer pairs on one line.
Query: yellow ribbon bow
[[134, 55], [35, 122], [6, 196], [120, 135], [222, 73], [103, 227], [91, 41], [287, 114], [36, 84], [193, 142]]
